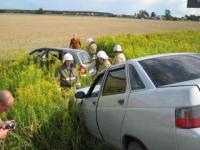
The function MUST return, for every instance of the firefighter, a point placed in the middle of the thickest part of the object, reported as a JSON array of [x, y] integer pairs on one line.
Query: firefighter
[[103, 61], [66, 74], [75, 42], [119, 55], [92, 48]]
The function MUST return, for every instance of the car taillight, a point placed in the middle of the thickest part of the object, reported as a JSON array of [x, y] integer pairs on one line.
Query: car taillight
[[188, 117], [82, 69]]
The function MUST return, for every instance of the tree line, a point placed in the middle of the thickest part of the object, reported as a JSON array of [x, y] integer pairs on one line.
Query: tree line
[[142, 14]]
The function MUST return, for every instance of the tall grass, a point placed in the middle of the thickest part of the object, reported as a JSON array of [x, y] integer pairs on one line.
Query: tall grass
[[48, 117], [156, 43]]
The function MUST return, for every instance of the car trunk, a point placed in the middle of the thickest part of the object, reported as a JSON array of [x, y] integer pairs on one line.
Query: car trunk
[[195, 82]]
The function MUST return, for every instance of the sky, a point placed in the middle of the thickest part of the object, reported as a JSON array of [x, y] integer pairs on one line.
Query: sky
[[177, 7]]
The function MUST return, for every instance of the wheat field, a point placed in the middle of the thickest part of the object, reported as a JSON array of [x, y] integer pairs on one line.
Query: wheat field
[[47, 117], [26, 32]]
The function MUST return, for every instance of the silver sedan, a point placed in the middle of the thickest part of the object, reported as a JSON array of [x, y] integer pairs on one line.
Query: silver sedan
[[150, 103]]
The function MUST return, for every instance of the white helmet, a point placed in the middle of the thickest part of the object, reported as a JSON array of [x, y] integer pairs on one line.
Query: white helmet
[[102, 54], [67, 56], [117, 48], [89, 40]]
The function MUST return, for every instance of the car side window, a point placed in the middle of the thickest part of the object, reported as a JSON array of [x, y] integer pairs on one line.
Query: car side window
[[115, 82], [136, 82], [53, 58], [96, 87], [39, 53], [54, 54]]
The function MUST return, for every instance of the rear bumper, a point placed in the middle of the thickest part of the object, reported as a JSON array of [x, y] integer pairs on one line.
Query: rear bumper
[[188, 139]]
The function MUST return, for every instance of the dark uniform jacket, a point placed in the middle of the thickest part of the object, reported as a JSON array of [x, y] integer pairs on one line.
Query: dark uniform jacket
[[66, 77]]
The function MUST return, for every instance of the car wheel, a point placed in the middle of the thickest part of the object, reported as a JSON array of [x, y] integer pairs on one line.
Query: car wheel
[[135, 146]]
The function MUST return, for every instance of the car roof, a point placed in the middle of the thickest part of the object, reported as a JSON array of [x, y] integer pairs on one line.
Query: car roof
[[147, 57], [61, 49], [157, 56]]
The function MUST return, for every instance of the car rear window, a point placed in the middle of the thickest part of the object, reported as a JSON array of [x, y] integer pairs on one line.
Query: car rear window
[[172, 69], [85, 57]]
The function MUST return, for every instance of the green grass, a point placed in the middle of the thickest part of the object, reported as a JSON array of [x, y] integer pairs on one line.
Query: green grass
[[141, 45], [46, 116]]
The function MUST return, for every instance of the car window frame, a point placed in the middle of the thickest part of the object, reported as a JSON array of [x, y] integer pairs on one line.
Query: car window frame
[[92, 87], [123, 66], [44, 50], [143, 75], [53, 50], [129, 76], [155, 86], [79, 57]]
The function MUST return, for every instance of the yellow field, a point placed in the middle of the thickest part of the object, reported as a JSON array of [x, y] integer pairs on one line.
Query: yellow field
[[33, 31]]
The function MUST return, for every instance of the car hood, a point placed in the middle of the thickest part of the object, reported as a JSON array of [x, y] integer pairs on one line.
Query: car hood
[[85, 90], [195, 82]]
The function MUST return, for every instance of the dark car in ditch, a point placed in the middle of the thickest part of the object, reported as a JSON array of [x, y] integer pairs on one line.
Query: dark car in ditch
[[82, 58]]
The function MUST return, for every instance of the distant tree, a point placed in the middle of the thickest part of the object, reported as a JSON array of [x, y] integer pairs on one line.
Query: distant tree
[[143, 14], [192, 17], [175, 18], [153, 15], [40, 11], [2, 11], [168, 15]]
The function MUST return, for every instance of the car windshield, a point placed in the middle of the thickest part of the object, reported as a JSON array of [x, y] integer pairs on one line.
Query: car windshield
[[172, 69], [85, 57]]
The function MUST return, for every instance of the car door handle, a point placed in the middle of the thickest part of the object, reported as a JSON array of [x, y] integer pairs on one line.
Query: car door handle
[[121, 101], [94, 102]]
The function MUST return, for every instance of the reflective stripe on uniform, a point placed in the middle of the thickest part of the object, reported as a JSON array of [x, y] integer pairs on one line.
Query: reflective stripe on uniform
[[68, 79]]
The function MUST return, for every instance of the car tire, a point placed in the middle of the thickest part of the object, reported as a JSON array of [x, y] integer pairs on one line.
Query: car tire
[[135, 146]]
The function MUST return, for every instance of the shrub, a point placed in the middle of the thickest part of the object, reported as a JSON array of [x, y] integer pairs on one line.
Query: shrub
[[47, 117], [156, 43]]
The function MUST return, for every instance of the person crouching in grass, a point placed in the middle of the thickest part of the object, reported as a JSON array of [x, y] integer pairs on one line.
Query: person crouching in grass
[[6, 102]]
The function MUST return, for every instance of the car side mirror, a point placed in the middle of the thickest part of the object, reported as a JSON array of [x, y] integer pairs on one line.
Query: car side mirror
[[80, 95]]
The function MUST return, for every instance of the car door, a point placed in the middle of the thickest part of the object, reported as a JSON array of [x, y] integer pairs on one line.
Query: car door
[[89, 106], [112, 105]]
